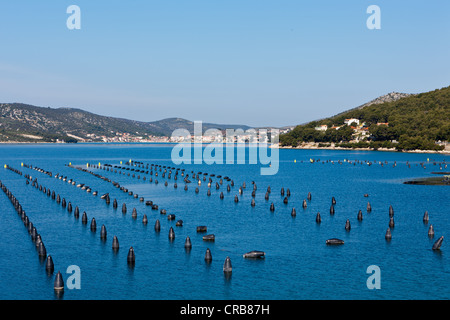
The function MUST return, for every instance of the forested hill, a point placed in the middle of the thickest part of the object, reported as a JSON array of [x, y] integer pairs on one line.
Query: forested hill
[[418, 121]]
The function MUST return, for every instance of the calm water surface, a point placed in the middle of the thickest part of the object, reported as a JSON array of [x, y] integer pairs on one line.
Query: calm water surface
[[298, 264]]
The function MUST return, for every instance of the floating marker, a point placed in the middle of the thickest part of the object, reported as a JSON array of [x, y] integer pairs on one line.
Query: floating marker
[[391, 222], [318, 218], [437, 245], [293, 212], [347, 225], [334, 241], [425, 217], [49, 266], [360, 216], [208, 256], [332, 209], [157, 226], [93, 225], [431, 231], [131, 258], [254, 254], [59, 282], [227, 265], [115, 243], [103, 232], [209, 237], [187, 243], [388, 235], [171, 234], [42, 251]]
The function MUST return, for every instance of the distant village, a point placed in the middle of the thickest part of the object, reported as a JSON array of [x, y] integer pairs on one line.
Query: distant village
[[205, 138]]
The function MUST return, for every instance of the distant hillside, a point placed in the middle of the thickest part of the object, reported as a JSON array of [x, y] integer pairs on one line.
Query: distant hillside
[[400, 121], [22, 122]]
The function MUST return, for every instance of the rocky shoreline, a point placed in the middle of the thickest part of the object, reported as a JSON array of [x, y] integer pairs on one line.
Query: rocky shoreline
[[315, 146]]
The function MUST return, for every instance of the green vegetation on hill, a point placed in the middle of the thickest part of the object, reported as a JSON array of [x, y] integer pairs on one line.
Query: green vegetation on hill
[[414, 122]]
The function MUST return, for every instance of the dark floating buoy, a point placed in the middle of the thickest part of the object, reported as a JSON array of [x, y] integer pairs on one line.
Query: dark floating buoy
[[34, 234], [272, 207], [304, 204], [332, 209], [347, 225], [49, 266], [144, 219], [266, 196], [227, 265], [59, 282], [103, 232], [93, 225], [334, 241], [115, 243], [84, 218], [171, 234], [255, 254], [187, 243], [293, 212], [69, 207], [318, 218], [115, 203], [309, 196], [221, 195], [425, 217], [388, 235], [157, 226], [42, 252], [124, 208], [391, 211], [391, 222], [431, 231], [437, 245], [282, 191], [131, 258], [360, 216], [369, 207], [208, 256]]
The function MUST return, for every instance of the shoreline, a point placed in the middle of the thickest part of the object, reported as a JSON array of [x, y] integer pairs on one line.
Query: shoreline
[[306, 147], [315, 147]]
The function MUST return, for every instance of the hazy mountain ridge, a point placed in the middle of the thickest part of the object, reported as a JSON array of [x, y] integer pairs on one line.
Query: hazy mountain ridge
[[23, 122]]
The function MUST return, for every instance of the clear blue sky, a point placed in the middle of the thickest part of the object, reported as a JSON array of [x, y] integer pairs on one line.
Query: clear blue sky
[[254, 62]]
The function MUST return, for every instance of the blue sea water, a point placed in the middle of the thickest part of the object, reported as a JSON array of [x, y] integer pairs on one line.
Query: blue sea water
[[298, 264]]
